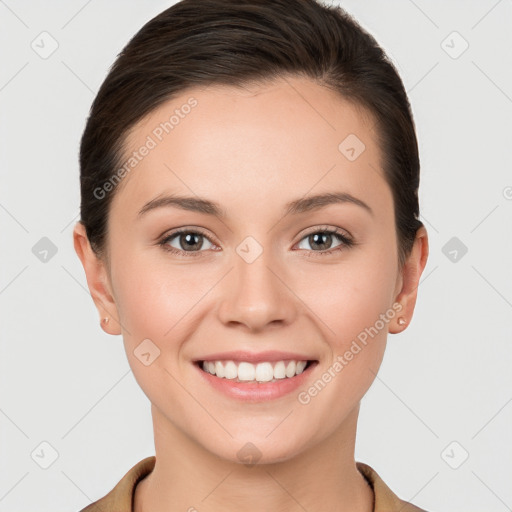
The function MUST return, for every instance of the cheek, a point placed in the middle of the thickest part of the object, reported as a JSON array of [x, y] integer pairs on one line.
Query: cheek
[[351, 305], [349, 296], [159, 300], [156, 302]]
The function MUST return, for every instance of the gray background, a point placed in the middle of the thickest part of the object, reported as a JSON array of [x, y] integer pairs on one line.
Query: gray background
[[444, 390]]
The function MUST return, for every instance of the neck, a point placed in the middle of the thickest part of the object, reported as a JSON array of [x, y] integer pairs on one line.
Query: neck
[[187, 477]]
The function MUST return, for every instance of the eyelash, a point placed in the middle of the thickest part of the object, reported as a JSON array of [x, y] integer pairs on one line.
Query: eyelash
[[346, 241]]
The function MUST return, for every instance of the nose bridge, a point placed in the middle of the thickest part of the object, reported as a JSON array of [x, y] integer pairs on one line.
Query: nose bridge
[[255, 294]]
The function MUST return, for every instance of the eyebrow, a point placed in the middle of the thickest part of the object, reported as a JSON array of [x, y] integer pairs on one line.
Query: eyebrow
[[296, 207]]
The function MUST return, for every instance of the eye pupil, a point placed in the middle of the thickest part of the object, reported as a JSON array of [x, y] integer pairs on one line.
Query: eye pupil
[[187, 237], [320, 236]]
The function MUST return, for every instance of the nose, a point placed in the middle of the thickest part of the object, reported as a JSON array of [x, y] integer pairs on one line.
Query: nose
[[256, 295]]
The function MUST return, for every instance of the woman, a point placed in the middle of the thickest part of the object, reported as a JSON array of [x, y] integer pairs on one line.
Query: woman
[[249, 224]]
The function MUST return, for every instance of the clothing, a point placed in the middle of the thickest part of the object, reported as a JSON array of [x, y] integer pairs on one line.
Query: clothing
[[120, 498]]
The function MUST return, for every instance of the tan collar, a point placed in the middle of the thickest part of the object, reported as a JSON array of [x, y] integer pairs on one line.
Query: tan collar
[[385, 499], [120, 498]]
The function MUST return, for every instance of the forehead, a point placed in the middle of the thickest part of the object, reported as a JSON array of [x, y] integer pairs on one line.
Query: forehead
[[287, 137]]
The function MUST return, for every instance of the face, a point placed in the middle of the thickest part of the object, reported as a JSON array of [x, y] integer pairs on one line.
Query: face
[[267, 271]]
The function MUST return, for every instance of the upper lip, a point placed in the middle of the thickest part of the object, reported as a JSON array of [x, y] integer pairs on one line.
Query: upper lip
[[255, 357]]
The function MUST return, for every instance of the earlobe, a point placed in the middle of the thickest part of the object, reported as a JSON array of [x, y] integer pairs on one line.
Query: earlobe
[[410, 278], [104, 325], [97, 281]]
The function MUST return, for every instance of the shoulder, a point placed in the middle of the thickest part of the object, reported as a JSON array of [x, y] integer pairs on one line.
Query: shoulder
[[385, 499], [120, 498]]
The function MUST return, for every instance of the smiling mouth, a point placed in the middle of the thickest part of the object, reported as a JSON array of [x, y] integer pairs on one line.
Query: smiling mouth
[[264, 372]]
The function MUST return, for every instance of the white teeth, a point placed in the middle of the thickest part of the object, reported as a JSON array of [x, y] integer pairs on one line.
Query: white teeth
[[219, 369], [290, 369], [230, 370], [264, 372], [279, 370], [261, 372], [300, 367], [246, 371]]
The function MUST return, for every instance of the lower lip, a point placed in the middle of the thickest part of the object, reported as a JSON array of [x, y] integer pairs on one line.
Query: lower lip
[[256, 391]]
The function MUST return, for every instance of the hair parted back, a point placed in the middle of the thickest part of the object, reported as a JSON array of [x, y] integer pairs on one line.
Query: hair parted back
[[241, 42]]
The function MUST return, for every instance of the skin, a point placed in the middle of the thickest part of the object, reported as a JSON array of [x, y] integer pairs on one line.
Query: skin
[[252, 150]]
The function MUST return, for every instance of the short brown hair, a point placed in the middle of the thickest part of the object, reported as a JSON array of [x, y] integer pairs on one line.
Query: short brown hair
[[238, 42]]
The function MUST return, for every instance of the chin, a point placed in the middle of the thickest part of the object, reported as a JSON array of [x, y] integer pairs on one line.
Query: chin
[[257, 451]]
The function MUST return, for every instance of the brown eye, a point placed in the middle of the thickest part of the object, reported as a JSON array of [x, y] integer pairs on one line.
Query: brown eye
[[185, 241], [321, 241]]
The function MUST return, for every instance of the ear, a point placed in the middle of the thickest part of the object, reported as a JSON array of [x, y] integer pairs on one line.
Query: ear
[[408, 280], [97, 280]]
